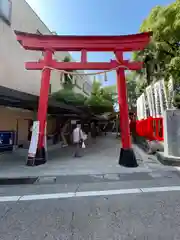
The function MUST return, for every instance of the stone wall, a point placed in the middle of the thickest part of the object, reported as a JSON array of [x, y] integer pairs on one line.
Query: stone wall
[[172, 132]]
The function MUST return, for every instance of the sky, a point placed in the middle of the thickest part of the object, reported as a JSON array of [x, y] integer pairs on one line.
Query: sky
[[95, 17]]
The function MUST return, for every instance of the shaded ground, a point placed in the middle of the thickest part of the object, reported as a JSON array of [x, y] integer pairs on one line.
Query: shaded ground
[[100, 157]]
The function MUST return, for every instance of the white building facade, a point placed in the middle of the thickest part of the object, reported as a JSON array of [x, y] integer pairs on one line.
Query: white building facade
[[18, 15]]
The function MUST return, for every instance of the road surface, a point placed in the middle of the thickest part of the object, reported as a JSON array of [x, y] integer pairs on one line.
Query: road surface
[[126, 207]]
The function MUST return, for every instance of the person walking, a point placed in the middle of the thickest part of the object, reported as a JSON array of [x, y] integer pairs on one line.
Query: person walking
[[78, 139], [132, 125]]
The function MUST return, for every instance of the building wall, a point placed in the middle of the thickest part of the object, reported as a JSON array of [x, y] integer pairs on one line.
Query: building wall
[[83, 84], [13, 56], [13, 119], [18, 120]]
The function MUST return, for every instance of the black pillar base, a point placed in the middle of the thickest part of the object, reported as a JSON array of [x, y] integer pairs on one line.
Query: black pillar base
[[40, 158], [127, 158], [30, 161]]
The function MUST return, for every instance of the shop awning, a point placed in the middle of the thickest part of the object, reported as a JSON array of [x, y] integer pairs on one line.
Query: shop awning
[[14, 98]]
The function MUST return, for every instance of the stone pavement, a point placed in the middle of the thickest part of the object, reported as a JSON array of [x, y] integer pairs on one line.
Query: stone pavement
[[98, 158]]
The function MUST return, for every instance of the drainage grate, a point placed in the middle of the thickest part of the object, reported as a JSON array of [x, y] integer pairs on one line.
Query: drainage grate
[[17, 181]]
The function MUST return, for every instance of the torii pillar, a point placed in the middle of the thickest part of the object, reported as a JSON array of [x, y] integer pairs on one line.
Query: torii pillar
[[127, 157]]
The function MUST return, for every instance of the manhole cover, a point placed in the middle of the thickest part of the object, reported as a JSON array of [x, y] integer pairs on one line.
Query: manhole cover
[[17, 181]]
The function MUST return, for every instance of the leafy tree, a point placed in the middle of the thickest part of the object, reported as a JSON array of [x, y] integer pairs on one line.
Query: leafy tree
[[101, 99], [68, 78], [69, 96], [162, 56], [109, 93], [132, 91]]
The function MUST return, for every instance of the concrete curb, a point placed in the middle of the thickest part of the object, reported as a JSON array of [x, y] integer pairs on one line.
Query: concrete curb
[[168, 160]]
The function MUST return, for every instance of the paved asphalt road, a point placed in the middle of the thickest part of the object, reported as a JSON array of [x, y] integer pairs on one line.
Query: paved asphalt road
[[152, 213]]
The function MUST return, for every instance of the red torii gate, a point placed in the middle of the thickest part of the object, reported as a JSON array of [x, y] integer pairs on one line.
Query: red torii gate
[[117, 44]]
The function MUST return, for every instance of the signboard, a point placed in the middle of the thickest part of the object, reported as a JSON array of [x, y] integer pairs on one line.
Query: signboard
[[34, 140], [6, 10], [6, 140]]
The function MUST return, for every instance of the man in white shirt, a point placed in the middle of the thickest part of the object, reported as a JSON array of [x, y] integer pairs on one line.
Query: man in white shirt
[[78, 139]]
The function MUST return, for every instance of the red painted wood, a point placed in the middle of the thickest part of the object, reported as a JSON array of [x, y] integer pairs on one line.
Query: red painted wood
[[133, 42], [43, 98], [22, 36], [122, 96], [83, 56], [90, 47]]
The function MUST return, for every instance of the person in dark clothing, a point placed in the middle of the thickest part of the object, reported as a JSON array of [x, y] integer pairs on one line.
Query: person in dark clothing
[[93, 132], [132, 126]]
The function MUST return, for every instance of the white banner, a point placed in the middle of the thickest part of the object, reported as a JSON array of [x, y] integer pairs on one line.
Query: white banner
[[141, 107], [34, 140], [138, 102], [170, 93], [150, 100], [144, 113], [157, 99], [162, 96], [138, 110]]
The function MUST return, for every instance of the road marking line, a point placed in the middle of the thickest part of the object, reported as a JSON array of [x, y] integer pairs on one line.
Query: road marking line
[[107, 192], [88, 194], [9, 198], [160, 189], [47, 196]]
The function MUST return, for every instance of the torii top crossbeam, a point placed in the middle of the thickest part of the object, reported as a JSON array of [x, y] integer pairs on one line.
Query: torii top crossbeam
[[126, 43]]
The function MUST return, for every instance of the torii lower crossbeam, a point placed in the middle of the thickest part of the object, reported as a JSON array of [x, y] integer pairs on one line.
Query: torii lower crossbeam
[[68, 66]]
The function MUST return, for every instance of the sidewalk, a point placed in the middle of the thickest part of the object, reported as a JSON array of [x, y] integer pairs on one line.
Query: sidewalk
[[98, 158]]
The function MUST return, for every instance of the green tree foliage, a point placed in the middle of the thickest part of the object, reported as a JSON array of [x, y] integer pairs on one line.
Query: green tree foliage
[[68, 78], [109, 93], [132, 91], [70, 97], [101, 99], [162, 56]]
